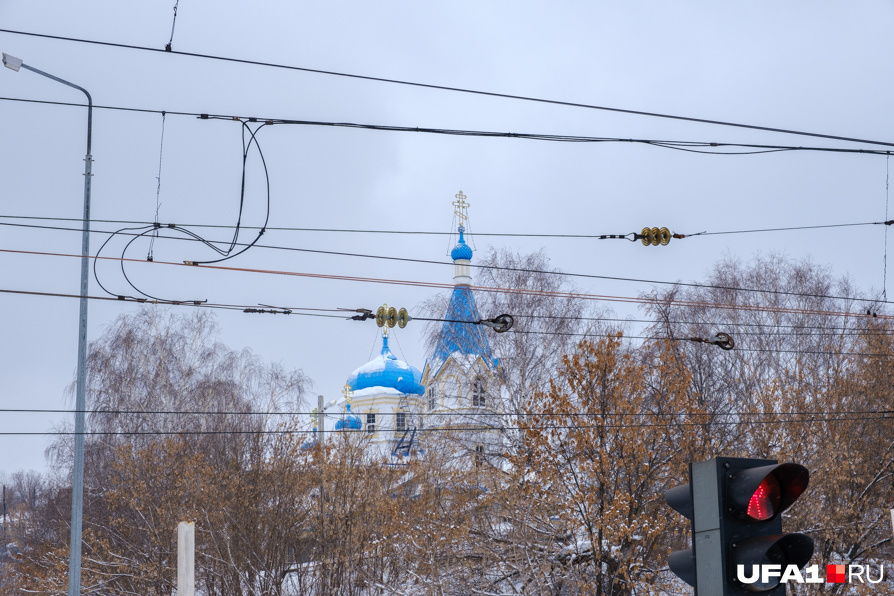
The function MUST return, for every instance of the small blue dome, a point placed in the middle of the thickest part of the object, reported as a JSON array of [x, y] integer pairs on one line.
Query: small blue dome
[[385, 370], [350, 422], [461, 250]]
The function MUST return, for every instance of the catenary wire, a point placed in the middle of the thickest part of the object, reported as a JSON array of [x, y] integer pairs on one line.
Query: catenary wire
[[125, 231], [454, 429], [441, 413], [436, 233], [548, 333], [452, 89], [693, 146], [440, 285]]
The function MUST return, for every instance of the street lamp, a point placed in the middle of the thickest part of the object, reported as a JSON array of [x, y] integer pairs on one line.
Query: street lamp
[[77, 498]]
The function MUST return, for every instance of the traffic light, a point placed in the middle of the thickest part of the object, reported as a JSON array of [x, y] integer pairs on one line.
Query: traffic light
[[738, 544]]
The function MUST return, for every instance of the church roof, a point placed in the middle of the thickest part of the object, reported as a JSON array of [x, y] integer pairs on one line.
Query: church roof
[[462, 338], [385, 370]]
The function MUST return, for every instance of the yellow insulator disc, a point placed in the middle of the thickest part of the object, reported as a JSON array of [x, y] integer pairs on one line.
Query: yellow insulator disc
[[665, 236], [646, 236], [391, 319]]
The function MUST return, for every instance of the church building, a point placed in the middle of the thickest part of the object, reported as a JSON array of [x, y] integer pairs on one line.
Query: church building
[[454, 402]]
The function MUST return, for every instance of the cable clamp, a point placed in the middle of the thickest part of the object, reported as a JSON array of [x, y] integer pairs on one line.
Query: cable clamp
[[500, 324], [365, 314], [192, 263]]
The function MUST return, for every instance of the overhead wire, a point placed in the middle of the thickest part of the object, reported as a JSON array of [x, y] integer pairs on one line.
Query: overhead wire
[[475, 428], [291, 310], [449, 412], [225, 253], [437, 233], [706, 147], [440, 285], [453, 89], [874, 301]]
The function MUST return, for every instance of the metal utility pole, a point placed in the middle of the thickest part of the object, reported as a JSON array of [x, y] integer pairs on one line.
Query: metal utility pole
[[186, 559], [321, 423], [77, 497]]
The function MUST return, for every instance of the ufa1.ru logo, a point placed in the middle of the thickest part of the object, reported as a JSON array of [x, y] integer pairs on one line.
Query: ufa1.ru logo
[[835, 574]]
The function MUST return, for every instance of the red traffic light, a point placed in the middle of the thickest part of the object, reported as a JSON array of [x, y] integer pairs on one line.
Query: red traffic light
[[763, 493], [765, 500]]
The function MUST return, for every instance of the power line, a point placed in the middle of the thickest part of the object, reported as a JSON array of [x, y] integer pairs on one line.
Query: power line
[[281, 310], [441, 413], [237, 307], [490, 267], [439, 285], [704, 147], [431, 232], [456, 429], [453, 89]]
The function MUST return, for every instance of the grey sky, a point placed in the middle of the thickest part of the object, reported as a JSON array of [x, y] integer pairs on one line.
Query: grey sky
[[817, 66]]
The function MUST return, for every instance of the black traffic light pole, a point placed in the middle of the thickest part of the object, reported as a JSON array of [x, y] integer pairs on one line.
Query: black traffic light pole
[[735, 505]]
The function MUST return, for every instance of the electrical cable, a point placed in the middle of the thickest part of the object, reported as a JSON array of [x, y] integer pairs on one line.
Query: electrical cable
[[454, 89], [226, 253], [490, 267], [242, 308], [693, 146], [435, 233], [439, 285], [455, 429], [548, 333], [887, 197], [441, 413], [169, 46], [161, 148]]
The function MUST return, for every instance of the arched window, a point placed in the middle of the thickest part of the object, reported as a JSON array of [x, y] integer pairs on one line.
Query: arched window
[[478, 457], [432, 398], [479, 392]]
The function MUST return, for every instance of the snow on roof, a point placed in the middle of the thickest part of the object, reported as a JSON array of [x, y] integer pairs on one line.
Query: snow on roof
[[386, 371]]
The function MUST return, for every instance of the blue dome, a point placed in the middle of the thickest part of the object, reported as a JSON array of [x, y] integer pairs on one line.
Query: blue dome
[[350, 422], [385, 370], [461, 250]]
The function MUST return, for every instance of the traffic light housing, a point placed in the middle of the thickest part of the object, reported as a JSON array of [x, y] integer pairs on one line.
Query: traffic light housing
[[735, 506]]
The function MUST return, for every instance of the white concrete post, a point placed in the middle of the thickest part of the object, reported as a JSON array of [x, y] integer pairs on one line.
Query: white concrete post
[[186, 559]]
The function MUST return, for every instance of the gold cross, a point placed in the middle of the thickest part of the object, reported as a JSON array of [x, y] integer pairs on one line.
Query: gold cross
[[462, 207], [347, 393]]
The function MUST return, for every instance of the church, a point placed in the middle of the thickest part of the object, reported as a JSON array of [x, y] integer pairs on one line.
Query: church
[[454, 402]]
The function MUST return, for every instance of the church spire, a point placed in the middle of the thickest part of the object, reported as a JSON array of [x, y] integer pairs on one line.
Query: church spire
[[461, 253]]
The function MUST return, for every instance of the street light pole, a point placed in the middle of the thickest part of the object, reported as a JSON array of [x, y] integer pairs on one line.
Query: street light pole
[[77, 498]]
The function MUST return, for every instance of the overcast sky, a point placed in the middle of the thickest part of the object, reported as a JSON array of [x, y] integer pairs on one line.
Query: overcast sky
[[823, 67]]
